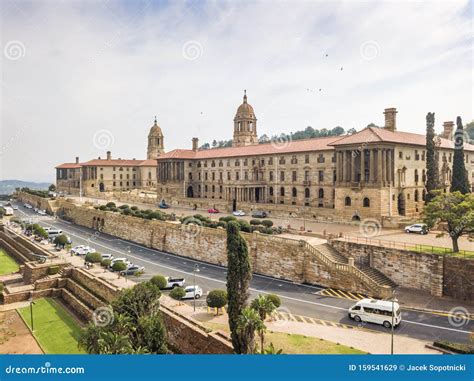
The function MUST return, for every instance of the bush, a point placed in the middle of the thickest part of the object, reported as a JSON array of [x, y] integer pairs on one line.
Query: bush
[[39, 231], [60, 240], [111, 205], [53, 270], [134, 207], [216, 298], [160, 281], [227, 218], [222, 224], [93, 258], [466, 349], [124, 206], [156, 215], [127, 211], [177, 293], [105, 262], [267, 223], [255, 222], [275, 299], [119, 266]]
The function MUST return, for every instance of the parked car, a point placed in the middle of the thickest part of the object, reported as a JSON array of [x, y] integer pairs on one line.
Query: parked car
[[107, 256], [193, 292], [124, 260], [15, 207], [42, 212], [85, 251], [174, 282], [259, 214], [213, 210], [76, 248], [132, 270], [238, 213], [27, 206], [417, 228], [54, 232]]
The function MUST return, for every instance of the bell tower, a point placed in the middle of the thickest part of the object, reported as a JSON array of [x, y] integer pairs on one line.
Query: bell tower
[[245, 125], [155, 142]]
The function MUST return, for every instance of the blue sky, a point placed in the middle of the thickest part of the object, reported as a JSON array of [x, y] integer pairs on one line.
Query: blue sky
[[76, 72]]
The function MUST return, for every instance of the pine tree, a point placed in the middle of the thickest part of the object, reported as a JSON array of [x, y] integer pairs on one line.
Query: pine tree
[[459, 180], [432, 171], [239, 275]]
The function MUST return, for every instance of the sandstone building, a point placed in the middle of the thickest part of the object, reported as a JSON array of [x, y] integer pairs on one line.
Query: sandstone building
[[374, 173]]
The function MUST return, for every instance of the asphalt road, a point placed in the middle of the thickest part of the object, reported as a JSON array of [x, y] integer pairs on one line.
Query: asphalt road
[[297, 299]]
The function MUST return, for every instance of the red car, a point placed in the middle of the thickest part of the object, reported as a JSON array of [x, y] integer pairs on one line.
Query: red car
[[213, 210]]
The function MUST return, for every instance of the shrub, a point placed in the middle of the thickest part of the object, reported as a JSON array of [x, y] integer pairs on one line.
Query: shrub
[[53, 270], [461, 348], [119, 266], [275, 299], [134, 207], [124, 206], [60, 240], [105, 262], [111, 205], [222, 224], [15, 220], [254, 222], [177, 293], [227, 218], [160, 281], [102, 207], [39, 231], [267, 223], [156, 215], [93, 258], [268, 231], [127, 211], [213, 225], [216, 298]]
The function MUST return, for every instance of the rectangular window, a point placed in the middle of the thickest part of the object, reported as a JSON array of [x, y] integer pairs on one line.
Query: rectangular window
[[321, 176], [282, 176], [293, 176], [270, 176], [306, 159]]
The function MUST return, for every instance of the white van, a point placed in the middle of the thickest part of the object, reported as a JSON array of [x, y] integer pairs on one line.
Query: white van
[[54, 232], [8, 211], [376, 311]]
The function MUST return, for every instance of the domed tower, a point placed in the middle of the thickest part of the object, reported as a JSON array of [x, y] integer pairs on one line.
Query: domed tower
[[245, 125], [155, 142]]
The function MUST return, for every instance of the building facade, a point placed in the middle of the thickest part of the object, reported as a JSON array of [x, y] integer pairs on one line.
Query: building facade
[[377, 172]]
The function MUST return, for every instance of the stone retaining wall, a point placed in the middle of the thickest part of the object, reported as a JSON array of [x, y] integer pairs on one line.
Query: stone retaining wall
[[459, 278]]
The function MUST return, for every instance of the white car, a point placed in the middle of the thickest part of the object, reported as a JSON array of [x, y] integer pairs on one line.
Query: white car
[[417, 228], [193, 292], [107, 256], [238, 213], [42, 212], [85, 251], [124, 260], [15, 207], [27, 206]]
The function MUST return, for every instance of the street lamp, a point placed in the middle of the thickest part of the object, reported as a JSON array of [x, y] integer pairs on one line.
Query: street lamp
[[394, 300], [195, 270], [31, 313]]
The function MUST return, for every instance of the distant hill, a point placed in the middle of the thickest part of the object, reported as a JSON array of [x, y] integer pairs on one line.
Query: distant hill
[[9, 186]]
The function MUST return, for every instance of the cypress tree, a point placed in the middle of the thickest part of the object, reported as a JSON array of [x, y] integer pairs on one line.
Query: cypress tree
[[459, 180], [239, 275], [432, 171]]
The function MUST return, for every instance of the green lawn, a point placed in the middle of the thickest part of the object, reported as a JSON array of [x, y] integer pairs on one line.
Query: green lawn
[[443, 250], [55, 329], [7, 264]]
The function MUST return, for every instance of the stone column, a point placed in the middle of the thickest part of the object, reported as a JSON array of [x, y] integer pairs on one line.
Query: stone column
[[384, 166], [379, 166], [371, 165], [362, 166], [353, 166]]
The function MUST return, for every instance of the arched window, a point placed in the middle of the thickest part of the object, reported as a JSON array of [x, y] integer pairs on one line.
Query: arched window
[[347, 201], [307, 193], [270, 191], [416, 195], [282, 191], [321, 193], [424, 195], [294, 192], [366, 202]]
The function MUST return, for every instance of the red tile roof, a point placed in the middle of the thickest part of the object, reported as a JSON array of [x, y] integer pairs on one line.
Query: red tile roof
[[68, 166], [306, 145], [372, 134]]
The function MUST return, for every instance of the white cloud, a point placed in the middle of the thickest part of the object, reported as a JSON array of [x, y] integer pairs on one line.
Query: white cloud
[[91, 66]]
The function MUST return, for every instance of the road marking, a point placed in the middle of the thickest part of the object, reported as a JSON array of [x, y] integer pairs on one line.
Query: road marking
[[261, 291]]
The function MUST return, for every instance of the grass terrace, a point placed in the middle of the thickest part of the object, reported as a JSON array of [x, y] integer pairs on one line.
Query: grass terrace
[[56, 330], [7, 264]]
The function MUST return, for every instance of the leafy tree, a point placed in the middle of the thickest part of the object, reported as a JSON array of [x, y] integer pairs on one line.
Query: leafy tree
[[111, 205], [459, 181], [275, 299], [140, 300], [105, 262], [432, 170], [267, 223], [52, 188], [454, 212], [177, 293], [271, 350], [239, 275], [248, 323], [264, 307], [61, 240], [93, 257], [216, 299], [119, 266], [159, 281]]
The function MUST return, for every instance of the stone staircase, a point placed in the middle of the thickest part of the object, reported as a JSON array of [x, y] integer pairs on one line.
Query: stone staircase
[[377, 276], [332, 253]]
